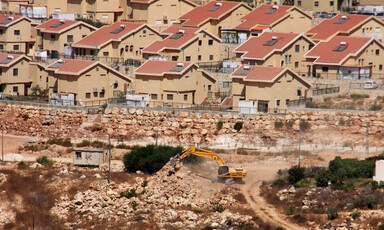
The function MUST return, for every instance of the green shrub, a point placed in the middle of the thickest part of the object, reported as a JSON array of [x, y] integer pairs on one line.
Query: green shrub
[[375, 107], [280, 182], [131, 193], [312, 171], [304, 125], [84, 143], [278, 124], [295, 174], [289, 123], [197, 211], [149, 159], [60, 141], [123, 146], [144, 184], [134, 205], [44, 160], [359, 96], [218, 208], [238, 125], [290, 211], [374, 185], [98, 144], [303, 183], [351, 168], [341, 121], [363, 202], [332, 214], [219, 125], [25, 116], [33, 148], [355, 215], [322, 178], [192, 159]]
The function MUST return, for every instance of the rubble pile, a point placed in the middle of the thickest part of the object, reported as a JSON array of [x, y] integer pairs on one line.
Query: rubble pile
[[166, 199]]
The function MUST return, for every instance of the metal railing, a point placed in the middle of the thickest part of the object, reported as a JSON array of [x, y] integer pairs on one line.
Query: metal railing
[[300, 102], [329, 90]]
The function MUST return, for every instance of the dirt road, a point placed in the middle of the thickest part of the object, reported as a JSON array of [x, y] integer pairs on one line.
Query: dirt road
[[256, 173]]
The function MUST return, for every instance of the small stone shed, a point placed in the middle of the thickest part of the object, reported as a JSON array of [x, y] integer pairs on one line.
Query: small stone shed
[[89, 157]]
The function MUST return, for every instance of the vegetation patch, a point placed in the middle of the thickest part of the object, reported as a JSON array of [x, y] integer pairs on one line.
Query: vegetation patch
[[44, 160]]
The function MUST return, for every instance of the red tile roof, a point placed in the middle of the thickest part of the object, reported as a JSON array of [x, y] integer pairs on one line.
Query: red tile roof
[[328, 28], [323, 51], [103, 35], [4, 17], [189, 35], [201, 14], [263, 74], [254, 47], [259, 17], [71, 66], [160, 68], [65, 25], [15, 58]]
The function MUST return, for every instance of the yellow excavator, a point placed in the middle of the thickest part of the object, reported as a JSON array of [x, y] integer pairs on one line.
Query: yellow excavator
[[224, 171]]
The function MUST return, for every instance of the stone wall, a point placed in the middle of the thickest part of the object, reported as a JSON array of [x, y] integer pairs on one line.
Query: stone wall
[[326, 127]]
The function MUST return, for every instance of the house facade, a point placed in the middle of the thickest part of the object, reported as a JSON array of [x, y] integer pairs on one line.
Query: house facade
[[57, 36], [185, 44], [266, 89], [86, 80], [175, 83], [120, 40], [15, 78], [344, 57], [276, 49], [275, 18], [216, 16], [16, 34], [347, 25], [319, 5]]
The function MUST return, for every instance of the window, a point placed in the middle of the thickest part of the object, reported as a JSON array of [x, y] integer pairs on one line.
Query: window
[[324, 69], [380, 68], [287, 102], [297, 48], [296, 64], [53, 37], [226, 84], [209, 87], [87, 95], [170, 97], [210, 57], [101, 95], [144, 31], [154, 96], [185, 97], [1, 31], [316, 4], [131, 48], [83, 36], [116, 85], [1, 47], [200, 42], [174, 58], [252, 63], [289, 59], [331, 3], [105, 54], [15, 89], [69, 38], [16, 32], [1, 71], [299, 92], [15, 72], [199, 58], [377, 52], [15, 47], [78, 155], [277, 102], [210, 42], [105, 17], [158, 22], [188, 58], [298, 3]]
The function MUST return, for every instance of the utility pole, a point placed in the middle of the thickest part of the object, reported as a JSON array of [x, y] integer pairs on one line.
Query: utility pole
[[109, 159], [367, 141], [299, 145], [2, 143]]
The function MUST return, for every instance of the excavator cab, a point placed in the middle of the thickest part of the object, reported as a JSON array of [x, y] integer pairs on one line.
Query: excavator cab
[[223, 169]]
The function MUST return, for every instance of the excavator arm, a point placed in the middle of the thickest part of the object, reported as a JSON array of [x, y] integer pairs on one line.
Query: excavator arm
[[199, 152]]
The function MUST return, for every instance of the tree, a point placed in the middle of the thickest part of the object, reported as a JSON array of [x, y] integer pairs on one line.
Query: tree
[[322, 178], [295, 174]]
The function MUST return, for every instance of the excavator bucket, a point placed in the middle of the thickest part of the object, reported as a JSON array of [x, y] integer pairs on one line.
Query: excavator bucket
[[173, 162]]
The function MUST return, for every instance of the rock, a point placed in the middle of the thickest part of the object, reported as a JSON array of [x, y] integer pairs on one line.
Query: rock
[[304, 208], [13, 157], [292, 190], [35, 165], [83, 176], [214, 225], [2, 177], [97, 176]]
